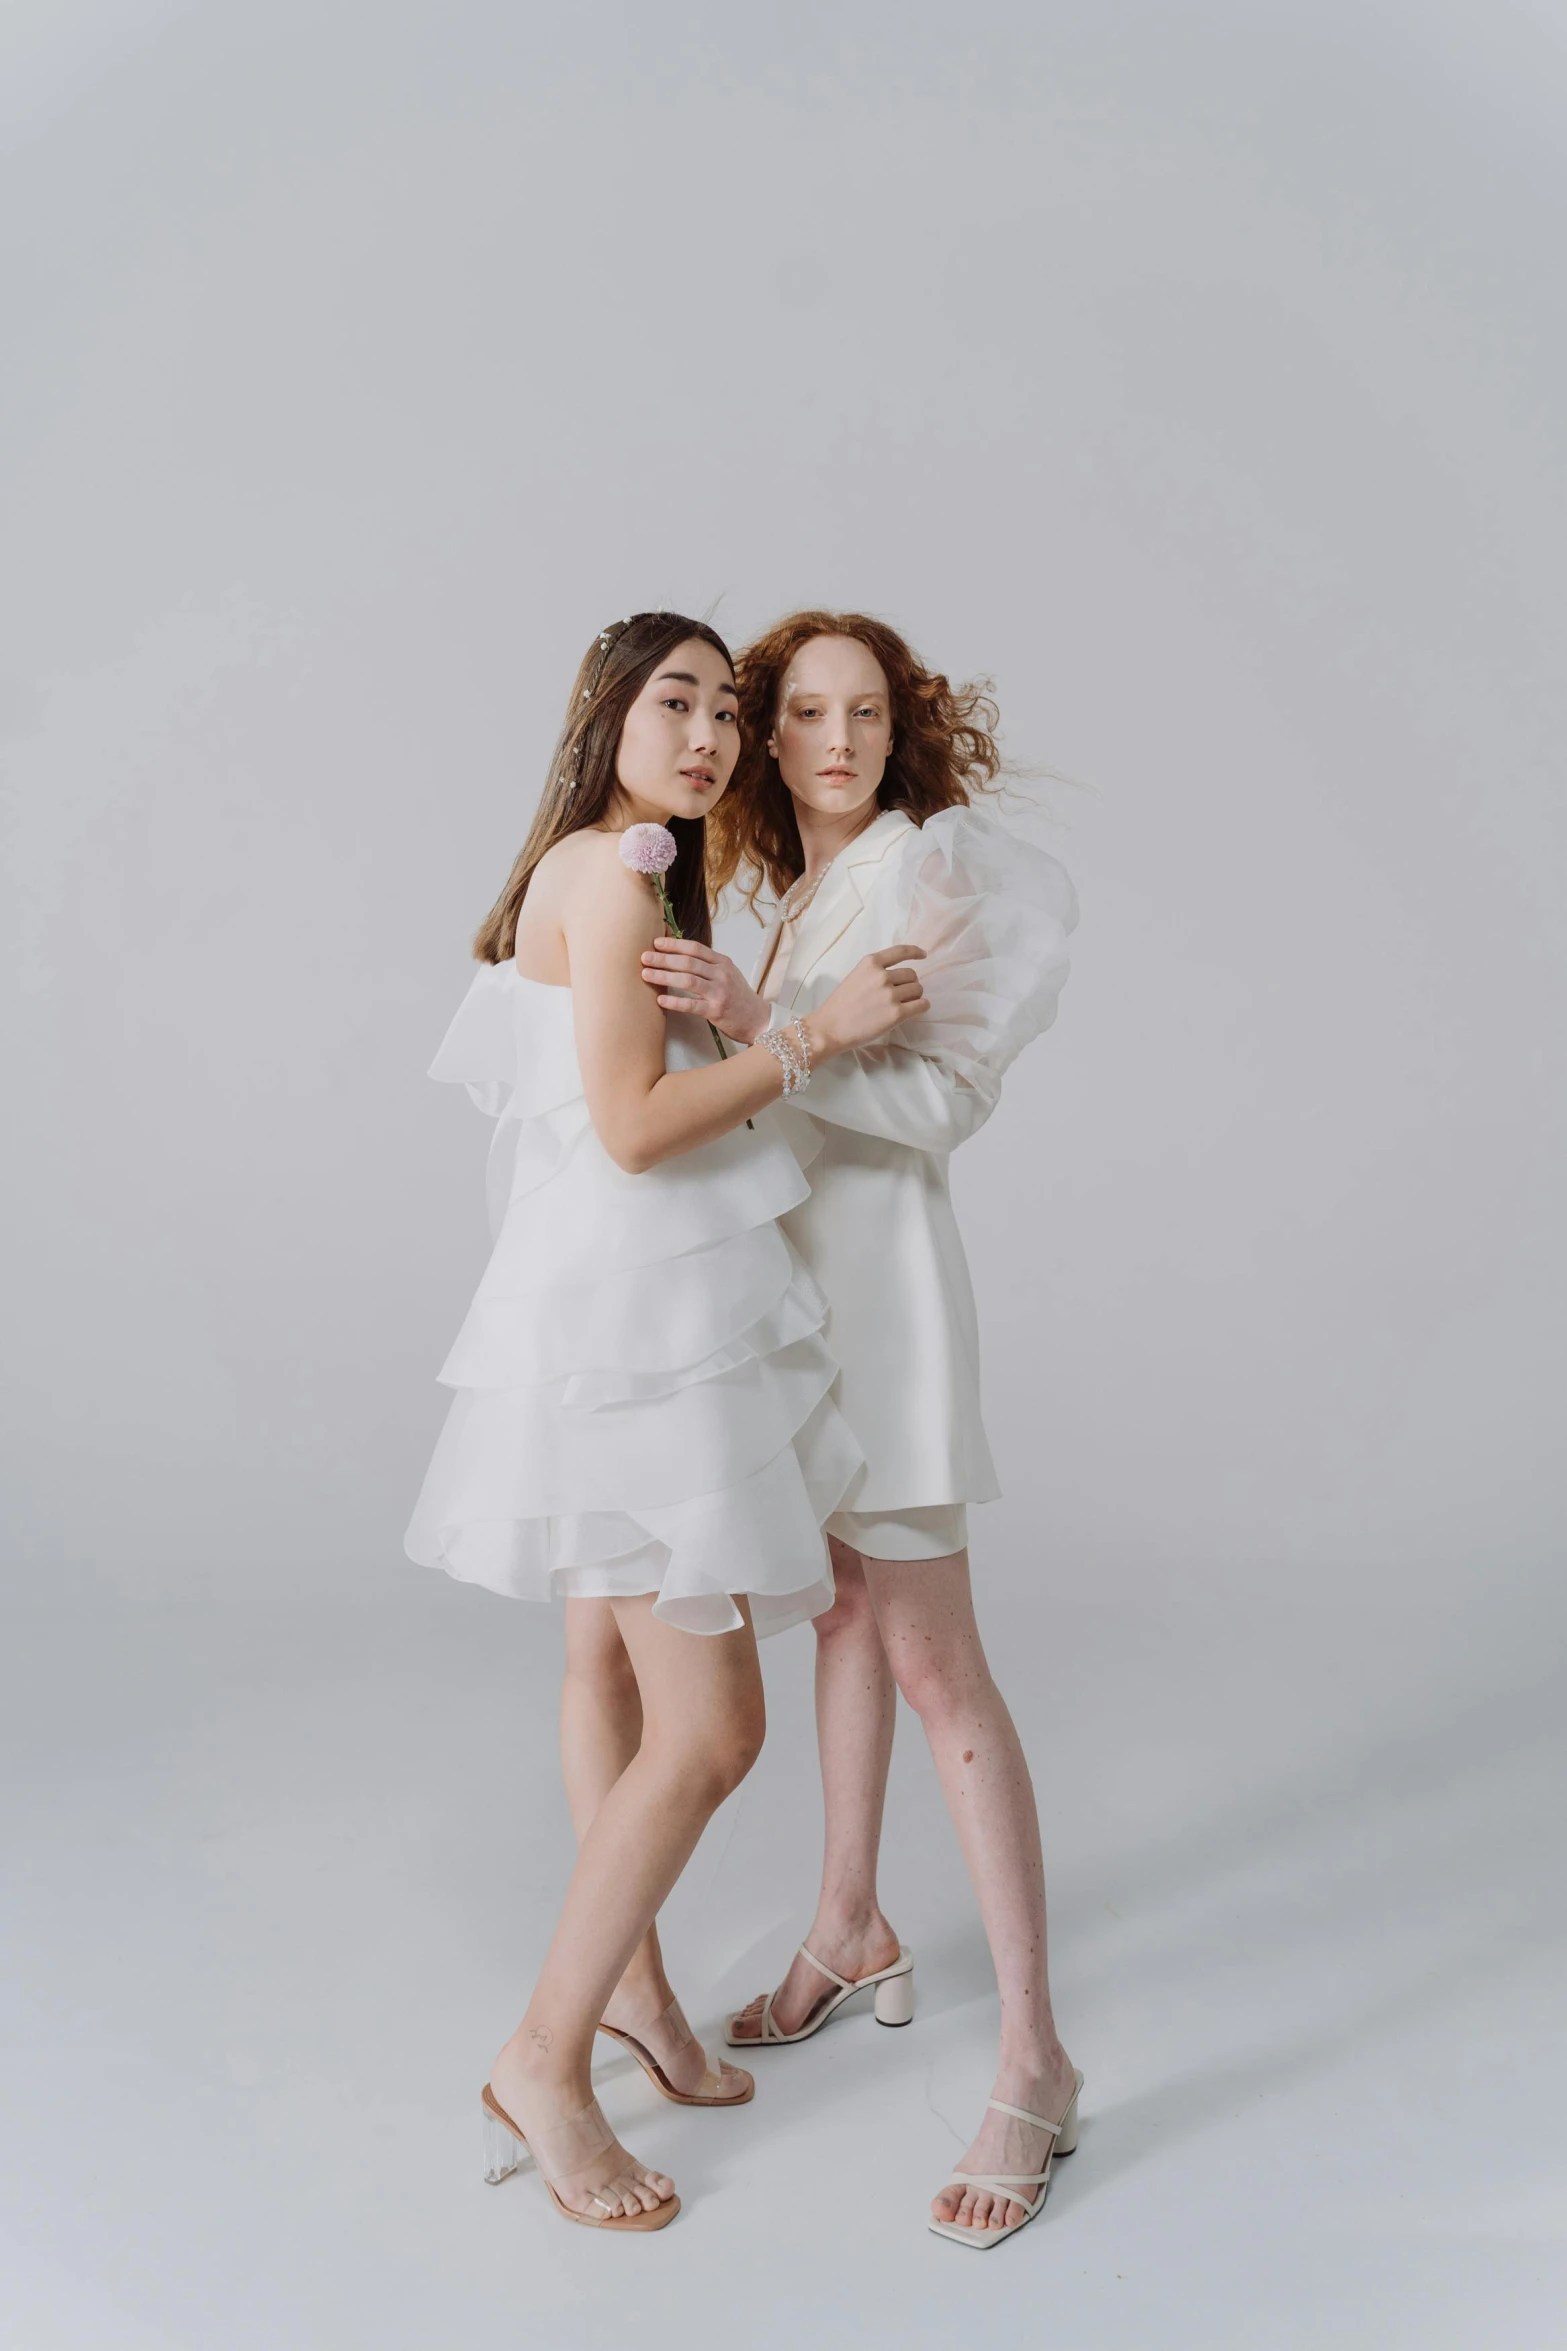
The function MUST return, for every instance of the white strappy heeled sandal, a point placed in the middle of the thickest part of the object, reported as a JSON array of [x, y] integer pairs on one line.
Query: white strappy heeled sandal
[[1063, 2138], [894, 1988]]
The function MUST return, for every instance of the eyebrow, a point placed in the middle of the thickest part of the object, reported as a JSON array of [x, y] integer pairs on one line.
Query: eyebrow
[[683, 677]]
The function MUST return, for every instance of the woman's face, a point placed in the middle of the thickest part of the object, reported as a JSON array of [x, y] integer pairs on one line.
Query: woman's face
[[681, 736], [833, 732]]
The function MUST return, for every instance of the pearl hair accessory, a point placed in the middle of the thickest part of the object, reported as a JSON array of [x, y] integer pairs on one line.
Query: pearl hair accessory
[[606, 639]]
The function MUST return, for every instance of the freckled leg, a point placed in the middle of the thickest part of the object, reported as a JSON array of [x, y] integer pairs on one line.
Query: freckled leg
[[925, 1610], [856, 1704]]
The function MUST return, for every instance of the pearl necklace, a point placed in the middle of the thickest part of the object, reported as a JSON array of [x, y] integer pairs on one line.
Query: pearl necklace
[[798, 897]]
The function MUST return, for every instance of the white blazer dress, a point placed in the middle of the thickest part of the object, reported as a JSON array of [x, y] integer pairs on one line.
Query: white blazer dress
[[874, 1130]]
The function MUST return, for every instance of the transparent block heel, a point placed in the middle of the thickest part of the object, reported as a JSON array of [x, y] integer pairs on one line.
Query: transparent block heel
[[504, 2153], [572, 2140]]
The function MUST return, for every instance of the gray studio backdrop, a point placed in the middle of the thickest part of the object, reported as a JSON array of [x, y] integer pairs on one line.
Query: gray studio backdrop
[[1196, 373], [1193, 369]]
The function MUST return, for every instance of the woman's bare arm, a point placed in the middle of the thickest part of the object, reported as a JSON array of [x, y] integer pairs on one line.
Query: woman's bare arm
[[643, 1113], [888, 1089]]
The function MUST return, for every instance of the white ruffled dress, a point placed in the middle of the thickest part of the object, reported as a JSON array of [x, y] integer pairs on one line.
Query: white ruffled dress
[[642, 1382]]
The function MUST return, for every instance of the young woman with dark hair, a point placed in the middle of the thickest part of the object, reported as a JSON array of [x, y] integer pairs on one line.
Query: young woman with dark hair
[[852, 803], [643, 1421]]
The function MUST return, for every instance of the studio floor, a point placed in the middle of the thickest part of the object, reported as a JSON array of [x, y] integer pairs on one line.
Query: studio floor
[[279, 1874]]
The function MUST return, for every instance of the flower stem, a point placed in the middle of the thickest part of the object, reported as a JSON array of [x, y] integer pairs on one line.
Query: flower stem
[[676, 932]]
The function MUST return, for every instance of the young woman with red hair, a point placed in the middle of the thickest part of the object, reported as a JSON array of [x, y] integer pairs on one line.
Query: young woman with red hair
[[852, 803]]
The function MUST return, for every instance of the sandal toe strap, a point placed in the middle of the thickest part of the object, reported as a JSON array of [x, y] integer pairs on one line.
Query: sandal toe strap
[[1004, 2183], [1000, 2179]]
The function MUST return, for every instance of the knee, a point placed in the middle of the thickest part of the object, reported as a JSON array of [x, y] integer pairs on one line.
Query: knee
[[740, 1742], [716, 1756], [849, 1619], [934, 1683], [851, 1615], [921, 1683]]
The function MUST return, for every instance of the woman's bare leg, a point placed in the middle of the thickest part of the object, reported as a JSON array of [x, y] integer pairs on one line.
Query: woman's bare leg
[[856, 1708], [926, 1613], [600, 1732], [702, 1725]]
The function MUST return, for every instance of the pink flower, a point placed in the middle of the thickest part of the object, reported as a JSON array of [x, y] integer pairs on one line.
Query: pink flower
[[648, 848], [651, 849]]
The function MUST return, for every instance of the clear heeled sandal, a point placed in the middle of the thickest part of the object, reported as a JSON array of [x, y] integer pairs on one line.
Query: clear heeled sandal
[[565, 2146], [729, 2086]]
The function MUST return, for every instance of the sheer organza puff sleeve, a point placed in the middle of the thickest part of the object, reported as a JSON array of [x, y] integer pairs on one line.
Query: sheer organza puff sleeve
[[993, 914]]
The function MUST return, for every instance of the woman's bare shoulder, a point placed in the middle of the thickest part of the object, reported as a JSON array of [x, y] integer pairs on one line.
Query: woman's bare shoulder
[[582, 852], [590, 893], [587, 861]]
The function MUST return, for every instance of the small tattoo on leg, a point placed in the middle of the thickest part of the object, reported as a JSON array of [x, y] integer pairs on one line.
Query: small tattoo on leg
[[540, 2036]]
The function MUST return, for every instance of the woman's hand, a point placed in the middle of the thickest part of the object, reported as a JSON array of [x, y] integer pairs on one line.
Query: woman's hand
[[692, 978], [880, 992]]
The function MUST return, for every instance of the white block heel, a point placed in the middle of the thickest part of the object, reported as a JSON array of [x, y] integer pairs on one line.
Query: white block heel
[[504, 2152], [1066, 2136], [895, 1999], [893, 1986]]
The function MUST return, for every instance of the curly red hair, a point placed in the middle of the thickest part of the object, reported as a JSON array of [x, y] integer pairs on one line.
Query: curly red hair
[[944, 748]]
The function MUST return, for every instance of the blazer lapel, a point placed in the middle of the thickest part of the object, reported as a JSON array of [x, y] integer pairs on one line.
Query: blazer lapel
[[841, 897], [823, 923], [768, 949]]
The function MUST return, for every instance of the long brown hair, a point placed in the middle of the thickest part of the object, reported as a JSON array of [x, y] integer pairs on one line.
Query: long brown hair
[[944, 747], [580, 786]]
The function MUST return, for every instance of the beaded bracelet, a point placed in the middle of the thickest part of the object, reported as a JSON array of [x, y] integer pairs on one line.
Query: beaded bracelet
[[804, 1043], [791, 1049], [782, 1048]]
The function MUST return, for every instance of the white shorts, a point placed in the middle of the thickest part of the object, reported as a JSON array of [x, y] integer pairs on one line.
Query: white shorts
[[932, 1533]]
